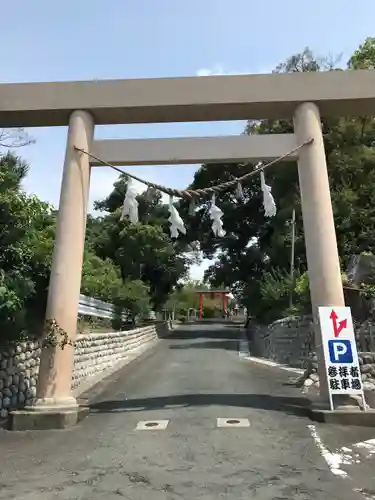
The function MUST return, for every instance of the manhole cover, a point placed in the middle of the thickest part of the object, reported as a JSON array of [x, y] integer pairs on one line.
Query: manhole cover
[[157, 425], [233, 422]]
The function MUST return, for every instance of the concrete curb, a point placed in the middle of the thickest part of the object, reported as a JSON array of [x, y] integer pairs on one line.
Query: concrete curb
[[354, 417], [273, 364]]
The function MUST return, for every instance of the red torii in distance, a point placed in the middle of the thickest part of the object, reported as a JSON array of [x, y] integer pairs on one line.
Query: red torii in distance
[[224, 294]]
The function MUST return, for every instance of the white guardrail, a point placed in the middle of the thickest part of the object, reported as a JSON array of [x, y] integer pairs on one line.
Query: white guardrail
[[94, 307]]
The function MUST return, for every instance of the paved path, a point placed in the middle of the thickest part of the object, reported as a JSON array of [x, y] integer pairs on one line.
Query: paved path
[[190, 380]]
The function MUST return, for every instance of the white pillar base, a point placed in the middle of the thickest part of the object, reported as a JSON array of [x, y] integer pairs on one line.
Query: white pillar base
[[53, 404]]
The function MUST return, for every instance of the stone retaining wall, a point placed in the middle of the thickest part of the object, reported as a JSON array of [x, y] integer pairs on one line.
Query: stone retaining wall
[[309, 381], [18, 375], [94, 354], [288, 341]]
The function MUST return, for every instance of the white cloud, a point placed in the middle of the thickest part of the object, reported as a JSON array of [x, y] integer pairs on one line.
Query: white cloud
[[218, 70], [101, 184], [196, 271]]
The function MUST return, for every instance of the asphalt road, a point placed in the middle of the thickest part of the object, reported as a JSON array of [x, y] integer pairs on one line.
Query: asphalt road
[[190, 380]]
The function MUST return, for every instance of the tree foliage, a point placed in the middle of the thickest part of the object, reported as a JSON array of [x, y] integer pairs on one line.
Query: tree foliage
[[185, 298], [143, 251], [26, 230], [134, 267], [137, 266], [255, 255]]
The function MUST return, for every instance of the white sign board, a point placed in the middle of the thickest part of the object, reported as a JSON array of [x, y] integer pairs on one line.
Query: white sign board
[[340, 351]]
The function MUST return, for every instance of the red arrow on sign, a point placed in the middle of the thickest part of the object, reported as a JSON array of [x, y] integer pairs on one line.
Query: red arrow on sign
[[337, 328]]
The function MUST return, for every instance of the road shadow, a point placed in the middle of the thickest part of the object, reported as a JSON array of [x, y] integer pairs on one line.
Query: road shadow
[[201, 333], [202, 338], [291, 405], [228, 345]]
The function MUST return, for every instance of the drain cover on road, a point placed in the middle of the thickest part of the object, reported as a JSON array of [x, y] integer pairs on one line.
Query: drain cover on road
[[233, 422], [149, 425]]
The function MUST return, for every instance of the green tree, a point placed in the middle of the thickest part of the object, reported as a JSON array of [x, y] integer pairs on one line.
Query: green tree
[[135, 298], [257, 249], [143, 251], [185, 297], [26, 239], [27, 230], [101, 279], [182, 299], [364, 56]]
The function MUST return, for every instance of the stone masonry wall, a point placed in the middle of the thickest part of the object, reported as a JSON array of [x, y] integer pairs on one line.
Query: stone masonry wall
[[94, 354], [288, 341], [18, 375], [310, 379]]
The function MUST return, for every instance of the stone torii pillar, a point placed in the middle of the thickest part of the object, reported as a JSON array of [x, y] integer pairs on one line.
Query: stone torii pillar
[[319, 227], [55, 374]]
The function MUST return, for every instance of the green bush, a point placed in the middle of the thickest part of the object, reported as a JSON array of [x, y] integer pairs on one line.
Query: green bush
[[276, 287]]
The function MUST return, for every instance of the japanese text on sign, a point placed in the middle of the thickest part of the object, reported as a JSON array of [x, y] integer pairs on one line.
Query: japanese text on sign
[[340, 351]]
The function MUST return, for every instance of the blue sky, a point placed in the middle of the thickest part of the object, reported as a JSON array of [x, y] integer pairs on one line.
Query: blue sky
[[103, 39]]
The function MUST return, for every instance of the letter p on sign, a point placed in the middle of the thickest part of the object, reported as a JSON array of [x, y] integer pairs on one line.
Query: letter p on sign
[[340, 351]]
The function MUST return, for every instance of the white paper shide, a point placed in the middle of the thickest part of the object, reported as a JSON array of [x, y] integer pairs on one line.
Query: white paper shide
[[216, 215], [177, 224], [130, 205], [268, 200]]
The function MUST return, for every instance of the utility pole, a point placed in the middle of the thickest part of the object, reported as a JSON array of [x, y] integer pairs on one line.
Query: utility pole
[[293, 239]]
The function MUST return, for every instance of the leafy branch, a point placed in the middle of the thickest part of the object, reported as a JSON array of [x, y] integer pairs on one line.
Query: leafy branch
[[367, 291]]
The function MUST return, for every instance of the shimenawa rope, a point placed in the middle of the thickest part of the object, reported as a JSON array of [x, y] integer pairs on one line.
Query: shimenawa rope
[[197, 193]]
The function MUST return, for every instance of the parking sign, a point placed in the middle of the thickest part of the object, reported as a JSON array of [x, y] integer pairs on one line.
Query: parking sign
[[340, 351]]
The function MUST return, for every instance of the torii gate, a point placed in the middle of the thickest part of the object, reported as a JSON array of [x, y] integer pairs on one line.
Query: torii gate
[[82, 105], [222, 293]]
